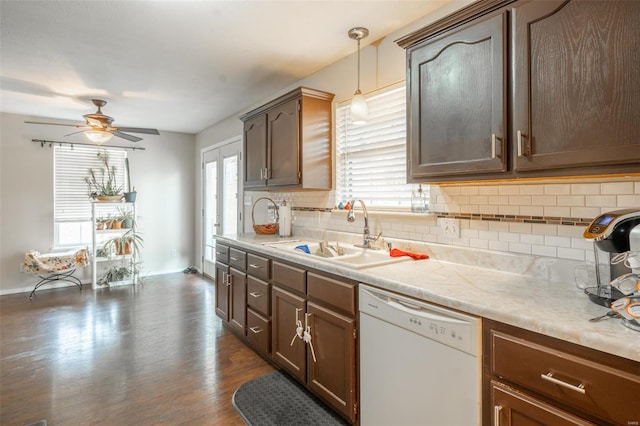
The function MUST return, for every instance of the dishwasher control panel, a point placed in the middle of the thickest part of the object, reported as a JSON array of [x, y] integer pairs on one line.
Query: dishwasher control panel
[[454, 329]]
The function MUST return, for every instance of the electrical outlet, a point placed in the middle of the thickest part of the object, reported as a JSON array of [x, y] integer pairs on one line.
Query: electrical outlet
[[174, 252], [450, 227]]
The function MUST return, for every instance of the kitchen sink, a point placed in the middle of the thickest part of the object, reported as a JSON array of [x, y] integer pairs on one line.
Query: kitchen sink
[[344, 254]]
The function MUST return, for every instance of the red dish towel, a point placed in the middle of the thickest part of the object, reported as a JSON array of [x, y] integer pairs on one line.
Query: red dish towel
[[397, 253]]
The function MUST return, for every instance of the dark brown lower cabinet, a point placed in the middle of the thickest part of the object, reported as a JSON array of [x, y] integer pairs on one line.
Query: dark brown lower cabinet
[[288, 350], [532, 379], [329, 370], [332, 374], [222, 291], [238, 300], [513, 408], [259, 332]]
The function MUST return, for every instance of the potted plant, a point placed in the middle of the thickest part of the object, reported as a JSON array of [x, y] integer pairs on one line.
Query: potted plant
[[130, 195], [102, 183], [114, 274], [128, 243], [126, 216]]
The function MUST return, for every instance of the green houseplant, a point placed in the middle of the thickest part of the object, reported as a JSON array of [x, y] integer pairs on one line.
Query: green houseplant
[[126, 216], [102, 183], [129, 243]]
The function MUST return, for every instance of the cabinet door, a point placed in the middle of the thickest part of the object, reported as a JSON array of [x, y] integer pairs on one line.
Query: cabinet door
[[332, 374], [289, 353], [513, 408], [283, 130], [222, 291], [238, 302], [457, 102], [255, 152], [576, 96]]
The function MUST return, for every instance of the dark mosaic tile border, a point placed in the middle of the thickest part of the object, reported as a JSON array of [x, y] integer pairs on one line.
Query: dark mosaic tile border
[[548, 220]]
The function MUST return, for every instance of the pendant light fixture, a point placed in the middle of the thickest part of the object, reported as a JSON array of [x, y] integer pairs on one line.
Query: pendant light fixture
[[359, 109]]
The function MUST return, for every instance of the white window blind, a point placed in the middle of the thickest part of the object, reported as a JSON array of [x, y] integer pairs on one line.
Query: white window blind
[[71, 166], [371, 159]]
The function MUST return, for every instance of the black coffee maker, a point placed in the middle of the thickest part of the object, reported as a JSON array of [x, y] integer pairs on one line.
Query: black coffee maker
[[612, 233]]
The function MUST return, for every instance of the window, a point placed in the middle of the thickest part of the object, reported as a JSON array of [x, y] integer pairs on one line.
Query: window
[[72, 208], [371, 159]]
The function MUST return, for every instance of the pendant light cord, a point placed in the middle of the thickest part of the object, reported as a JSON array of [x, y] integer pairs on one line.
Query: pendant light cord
[[358, 65]]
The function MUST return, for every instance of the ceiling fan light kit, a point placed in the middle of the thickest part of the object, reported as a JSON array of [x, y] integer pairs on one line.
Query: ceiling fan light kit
[[359, 108], [98, 136], [97, 127]]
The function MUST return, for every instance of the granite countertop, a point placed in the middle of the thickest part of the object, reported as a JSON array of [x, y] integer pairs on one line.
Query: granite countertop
[[533, 298]]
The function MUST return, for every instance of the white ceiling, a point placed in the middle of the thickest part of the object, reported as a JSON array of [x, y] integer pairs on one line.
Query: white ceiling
[[175, 65]]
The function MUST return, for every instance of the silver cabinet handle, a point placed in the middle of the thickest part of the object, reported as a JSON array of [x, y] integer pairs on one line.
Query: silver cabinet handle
[[522, 151], [261, 174], [234, 258], [267, 173], [229, 280], [255, 294], [549, 378], [254, 266], [255, 329], [219, 253], [494, 141], [496, 414]]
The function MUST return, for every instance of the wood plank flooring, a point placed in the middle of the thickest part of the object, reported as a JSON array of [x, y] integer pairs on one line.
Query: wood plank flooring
[[153, 354]]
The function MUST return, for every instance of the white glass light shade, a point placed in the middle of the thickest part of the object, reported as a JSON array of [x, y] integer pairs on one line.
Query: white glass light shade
[[98, 136], [359, 109]]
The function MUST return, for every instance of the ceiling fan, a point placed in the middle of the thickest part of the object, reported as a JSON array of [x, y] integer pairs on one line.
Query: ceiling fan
[[98, 126]]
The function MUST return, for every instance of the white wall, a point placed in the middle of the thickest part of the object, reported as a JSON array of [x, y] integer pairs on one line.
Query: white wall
[[162, 175]]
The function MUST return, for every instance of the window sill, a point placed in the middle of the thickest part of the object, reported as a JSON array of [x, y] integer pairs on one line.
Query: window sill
[[388, 213]]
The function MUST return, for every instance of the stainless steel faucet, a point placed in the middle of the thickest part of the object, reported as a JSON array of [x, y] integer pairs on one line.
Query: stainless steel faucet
[[366, 234]]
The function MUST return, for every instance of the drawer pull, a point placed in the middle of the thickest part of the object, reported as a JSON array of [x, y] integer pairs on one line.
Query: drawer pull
[[549, 378], [255, 329], [254, 266], [496, 414], [234, 258], [255, 294], [219, 253]]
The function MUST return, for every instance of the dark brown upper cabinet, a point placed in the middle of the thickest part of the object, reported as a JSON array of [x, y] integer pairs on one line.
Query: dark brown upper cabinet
[[287, 142], [576, 95], [457, 92], [505, 89]]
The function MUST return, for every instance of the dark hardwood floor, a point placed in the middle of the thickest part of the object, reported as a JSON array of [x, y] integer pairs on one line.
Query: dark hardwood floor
[[153, 354]]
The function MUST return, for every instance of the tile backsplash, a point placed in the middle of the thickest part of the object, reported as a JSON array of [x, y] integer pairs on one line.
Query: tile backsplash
[[543, 219]]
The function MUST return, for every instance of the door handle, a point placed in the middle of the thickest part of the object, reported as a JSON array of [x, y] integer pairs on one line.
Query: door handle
[[522, 150], [255, 329], [255, 294]]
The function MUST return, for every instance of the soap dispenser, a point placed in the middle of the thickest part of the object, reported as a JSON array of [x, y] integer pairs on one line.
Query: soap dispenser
[[419, 201]]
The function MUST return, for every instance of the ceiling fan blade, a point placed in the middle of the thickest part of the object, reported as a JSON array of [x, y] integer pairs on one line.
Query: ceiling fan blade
[[139, 130], [131, 138], [74, 133], [54, 124]]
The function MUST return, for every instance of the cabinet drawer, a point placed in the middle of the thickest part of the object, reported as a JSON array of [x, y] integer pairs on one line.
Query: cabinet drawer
[[258, 295], [259, 331], [222, 253], [589, 386], [290, 277], [334, 292], [258, 266], [238, 258]]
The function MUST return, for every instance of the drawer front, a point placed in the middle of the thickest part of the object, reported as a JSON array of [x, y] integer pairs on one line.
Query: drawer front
[[222, 253], [290, 277], [259, 266], [259, 296], [238, 258], [336, 293], [259, 331], [591, 387]]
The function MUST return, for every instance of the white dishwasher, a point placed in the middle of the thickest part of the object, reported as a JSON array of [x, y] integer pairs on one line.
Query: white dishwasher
[[420, 364]]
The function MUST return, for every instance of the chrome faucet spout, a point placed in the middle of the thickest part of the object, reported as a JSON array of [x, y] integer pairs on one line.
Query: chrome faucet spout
[[366, 233]]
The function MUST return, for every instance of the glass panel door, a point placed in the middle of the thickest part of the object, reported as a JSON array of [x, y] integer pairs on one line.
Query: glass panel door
[[220, 201]]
